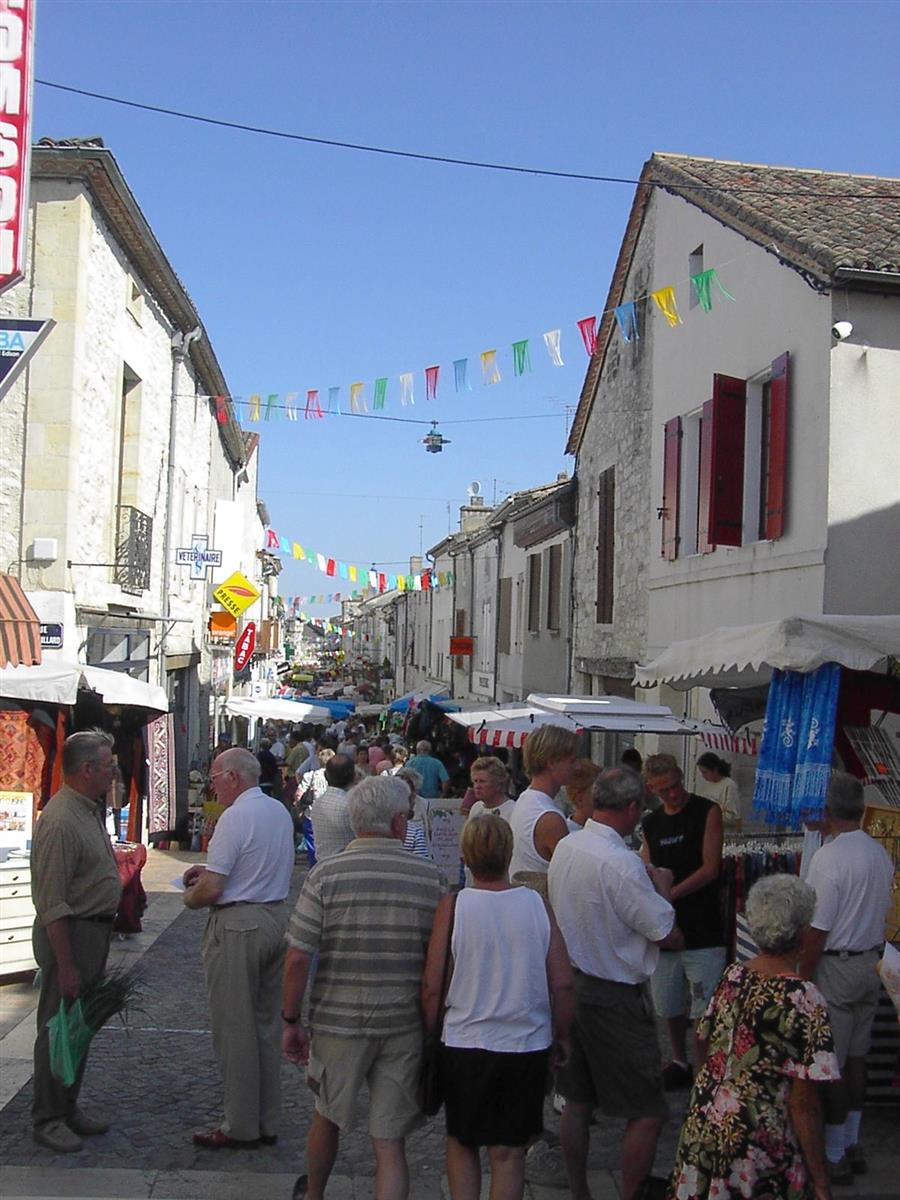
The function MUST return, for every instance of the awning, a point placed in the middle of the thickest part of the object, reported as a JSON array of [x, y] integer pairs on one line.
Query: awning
[[717, 737], [745, 655], [276, 709], [118, 688], [508, 726], [20, 628], [613, 714], [58, 682]]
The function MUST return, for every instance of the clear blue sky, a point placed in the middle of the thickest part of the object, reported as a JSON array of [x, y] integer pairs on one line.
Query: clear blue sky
[[314, 266]]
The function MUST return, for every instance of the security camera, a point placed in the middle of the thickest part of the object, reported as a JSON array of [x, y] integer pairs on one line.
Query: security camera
[[841, 330]]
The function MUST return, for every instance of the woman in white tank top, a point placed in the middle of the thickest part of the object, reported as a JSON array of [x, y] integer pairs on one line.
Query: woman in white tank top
[[537, 823], [509, 1007]]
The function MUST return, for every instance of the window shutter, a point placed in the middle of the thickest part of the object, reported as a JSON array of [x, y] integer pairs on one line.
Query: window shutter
[[776, 466], [534, 593], [721, 492], [671, 478], [505, 615], [554, 586], [606, 530]]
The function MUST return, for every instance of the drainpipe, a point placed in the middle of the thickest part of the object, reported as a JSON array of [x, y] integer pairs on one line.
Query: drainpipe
[[471, 611], [181, 347], [497, 610]]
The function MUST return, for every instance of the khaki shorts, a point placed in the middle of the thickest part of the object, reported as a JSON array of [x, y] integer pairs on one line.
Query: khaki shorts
[[684, 981], [615, 1063], [850, 987], [339, 1066]]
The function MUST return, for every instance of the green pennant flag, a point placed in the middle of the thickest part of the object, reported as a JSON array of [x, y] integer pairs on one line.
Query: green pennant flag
[[272, 406], [521, 357], [703, 287], [380, 392]]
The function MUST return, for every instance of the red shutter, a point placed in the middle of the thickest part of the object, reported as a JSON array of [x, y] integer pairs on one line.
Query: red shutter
[[721, 493], [776, 466], [671, 479]]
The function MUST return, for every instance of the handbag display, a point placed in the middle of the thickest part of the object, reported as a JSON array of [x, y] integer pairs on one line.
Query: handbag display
[[431, 1095]]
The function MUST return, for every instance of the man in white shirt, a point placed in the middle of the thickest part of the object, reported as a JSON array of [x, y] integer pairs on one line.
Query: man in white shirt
[[852, 877], [614, 914], [330, 812], [244, 884]]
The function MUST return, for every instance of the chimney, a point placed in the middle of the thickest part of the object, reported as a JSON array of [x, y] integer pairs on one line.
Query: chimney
[[415, 564], [473, 515]]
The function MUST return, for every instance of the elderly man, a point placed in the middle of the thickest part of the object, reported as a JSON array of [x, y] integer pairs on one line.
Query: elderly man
[[330, 812], [435, 780], [685, 834], [368, 914], [244, 885], [852, 877], [615, 917], [76, 890]]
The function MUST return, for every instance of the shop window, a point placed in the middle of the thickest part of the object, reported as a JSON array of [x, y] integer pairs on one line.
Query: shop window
[[534, 593], [606, 545]]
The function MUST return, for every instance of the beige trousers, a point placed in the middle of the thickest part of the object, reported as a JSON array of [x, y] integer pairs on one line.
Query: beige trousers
[[243, 958]]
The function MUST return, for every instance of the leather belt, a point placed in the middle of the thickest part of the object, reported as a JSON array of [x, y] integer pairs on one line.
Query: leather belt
[[854, 953], [100, 918], [234, 903]]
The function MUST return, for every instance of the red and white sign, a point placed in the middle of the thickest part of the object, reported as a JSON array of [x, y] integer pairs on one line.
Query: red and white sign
[[16, 86], [246, 644]]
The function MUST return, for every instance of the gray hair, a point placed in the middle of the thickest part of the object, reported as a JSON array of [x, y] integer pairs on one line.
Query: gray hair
[[423, 747], [778, 907], [845, 797], [82, 748], [616, 788], [243, 762], [374, 803], [411, 776]]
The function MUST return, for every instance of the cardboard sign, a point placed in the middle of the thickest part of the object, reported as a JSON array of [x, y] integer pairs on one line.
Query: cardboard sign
[[446, 827], [236, 593], [246, 644]]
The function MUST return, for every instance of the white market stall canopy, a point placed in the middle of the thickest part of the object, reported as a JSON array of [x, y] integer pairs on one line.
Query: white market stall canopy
[[510, 725], [58, 682], [276, 709], [745, 655]]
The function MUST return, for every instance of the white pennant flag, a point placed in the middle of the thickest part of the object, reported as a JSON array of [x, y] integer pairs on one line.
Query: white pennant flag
[[406, 389], [551, 341]]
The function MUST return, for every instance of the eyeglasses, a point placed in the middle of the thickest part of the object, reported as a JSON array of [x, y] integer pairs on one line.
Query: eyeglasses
[[218, 775]]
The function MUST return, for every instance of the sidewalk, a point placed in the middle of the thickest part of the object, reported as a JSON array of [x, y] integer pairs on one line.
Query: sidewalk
[[158, 1082]]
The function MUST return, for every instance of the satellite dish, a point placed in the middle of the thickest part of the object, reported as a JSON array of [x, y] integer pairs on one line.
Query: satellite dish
[[474, 488]]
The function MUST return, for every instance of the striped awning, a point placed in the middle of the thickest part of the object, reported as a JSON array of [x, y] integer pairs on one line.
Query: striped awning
[[719, 738], [20, 629]]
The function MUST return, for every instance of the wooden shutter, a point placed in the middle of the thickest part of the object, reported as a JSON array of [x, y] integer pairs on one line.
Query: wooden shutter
[[534, 593], [721, 493], [460, 631], [554, 586], [505, 634], [776, 464], [671, 480], [606, 542]]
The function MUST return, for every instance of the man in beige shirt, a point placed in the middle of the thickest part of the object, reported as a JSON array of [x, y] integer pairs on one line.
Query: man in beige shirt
[[76, 890]]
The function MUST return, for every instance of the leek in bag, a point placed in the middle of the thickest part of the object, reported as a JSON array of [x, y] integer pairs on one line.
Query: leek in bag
[[70, 1035]]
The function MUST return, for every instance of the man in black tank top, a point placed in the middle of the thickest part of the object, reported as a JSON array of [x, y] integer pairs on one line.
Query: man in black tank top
[[685, 835]]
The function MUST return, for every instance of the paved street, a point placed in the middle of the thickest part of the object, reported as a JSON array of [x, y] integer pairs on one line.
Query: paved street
[[158, 1082]]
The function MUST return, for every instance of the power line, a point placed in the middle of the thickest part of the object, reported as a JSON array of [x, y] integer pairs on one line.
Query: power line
[[286, 135]]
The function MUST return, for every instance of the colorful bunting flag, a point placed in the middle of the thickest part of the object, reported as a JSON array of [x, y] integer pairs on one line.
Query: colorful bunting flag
[[342, 570], [664, 299], [702, 285], [626, 315], [221, 410], [272, 540], [406, 389], [357, 400], [380, 393], [272, 406], [460, 367], [255, 401], [290, 406], [298, 551], [489, 369], [334, 401], [551, 341], [382, 582], [431, 382], [521, 357], [330, 567], [587, 327], [351, 571], [322, 561]]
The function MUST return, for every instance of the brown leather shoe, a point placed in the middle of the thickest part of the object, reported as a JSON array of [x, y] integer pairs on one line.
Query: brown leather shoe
[[58, 1137], [86, 1126], [218, 1139]]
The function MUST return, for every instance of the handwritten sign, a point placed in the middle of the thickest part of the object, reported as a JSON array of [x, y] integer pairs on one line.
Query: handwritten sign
[[446, 826]]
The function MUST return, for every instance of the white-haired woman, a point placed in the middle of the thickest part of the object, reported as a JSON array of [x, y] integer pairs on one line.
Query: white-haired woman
[[754, 1125]]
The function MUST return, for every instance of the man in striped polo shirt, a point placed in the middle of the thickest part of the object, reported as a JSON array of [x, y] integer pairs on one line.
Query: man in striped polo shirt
[[368, 913]]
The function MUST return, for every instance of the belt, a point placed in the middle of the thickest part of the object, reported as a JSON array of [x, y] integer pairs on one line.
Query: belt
[[234, 903], [854, 953], [100, 918]]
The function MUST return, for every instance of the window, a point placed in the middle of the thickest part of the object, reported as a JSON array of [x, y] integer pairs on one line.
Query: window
[[134, 300], [725, 466], [554, 586], [695, 267], [534, 593], [505, 632], [606, 538]]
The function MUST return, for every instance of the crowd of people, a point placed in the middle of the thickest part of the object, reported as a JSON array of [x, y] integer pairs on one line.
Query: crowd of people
[[591, 910]]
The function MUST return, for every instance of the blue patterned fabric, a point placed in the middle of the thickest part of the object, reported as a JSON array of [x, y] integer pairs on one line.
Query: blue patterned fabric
[[797, 742]]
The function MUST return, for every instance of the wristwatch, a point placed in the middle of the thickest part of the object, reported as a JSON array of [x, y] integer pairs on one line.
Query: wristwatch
[[290, 1020]]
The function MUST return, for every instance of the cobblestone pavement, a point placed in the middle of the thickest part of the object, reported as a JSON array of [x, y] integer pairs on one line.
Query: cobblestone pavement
[[158, 1082]]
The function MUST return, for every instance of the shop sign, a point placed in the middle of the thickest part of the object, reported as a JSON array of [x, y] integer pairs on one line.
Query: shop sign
[[16, 85], [19, 336], [236, 594], [51, 636], [198, 557], [462, 645], [246, 644]]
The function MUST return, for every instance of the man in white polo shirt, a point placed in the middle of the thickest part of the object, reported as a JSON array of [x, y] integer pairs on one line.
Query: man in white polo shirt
[[244, 885], [614, 914]]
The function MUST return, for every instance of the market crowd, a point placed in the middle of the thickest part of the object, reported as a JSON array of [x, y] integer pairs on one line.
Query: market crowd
[[591, 908]]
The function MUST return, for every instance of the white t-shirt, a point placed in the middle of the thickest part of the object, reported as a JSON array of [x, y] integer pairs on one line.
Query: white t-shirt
[[852, 877], [608, 910], [499, 1000], [527, 811], [725, 793], [253, 846], [504, 810]]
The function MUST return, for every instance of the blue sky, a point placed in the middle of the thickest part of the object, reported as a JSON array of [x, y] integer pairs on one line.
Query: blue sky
[[314, 266]]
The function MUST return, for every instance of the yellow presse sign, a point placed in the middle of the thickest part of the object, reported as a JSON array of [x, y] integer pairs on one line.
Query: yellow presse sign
[[236, 593]]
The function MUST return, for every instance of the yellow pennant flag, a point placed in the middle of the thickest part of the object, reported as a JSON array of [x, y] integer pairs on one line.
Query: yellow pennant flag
[[298, 551], [489, 369], [357, 401], [254, 407], [664, 300], [351, 571]]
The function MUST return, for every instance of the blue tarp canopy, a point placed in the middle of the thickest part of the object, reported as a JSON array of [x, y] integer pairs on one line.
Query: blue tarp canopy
[[402, 703], [339, 709]]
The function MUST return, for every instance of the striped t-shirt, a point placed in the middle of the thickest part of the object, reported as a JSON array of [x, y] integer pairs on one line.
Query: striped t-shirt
[[369, 913]]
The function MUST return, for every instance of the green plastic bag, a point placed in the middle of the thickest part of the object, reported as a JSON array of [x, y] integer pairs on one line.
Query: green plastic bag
[[70, 1036]]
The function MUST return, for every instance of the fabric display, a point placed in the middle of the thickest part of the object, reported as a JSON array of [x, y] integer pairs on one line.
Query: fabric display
[[745, 861]]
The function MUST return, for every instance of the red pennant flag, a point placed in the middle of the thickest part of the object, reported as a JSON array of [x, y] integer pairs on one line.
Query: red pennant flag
[[221, 410], [431, 382], [329, 567], [426, 581], [382, 583], [587, 327], [272, 540]]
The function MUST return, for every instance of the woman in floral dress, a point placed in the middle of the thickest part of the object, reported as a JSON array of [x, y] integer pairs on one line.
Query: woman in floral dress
[[754, 1125]]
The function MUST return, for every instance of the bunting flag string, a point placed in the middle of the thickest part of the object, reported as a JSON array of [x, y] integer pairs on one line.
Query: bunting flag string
[[626, 318], [551, 340], [521, 357], [431, 382], [334, 567], [664, 299]]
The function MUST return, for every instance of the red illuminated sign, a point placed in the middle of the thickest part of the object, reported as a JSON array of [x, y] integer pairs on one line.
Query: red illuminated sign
[[246, 644], [16, 85]]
